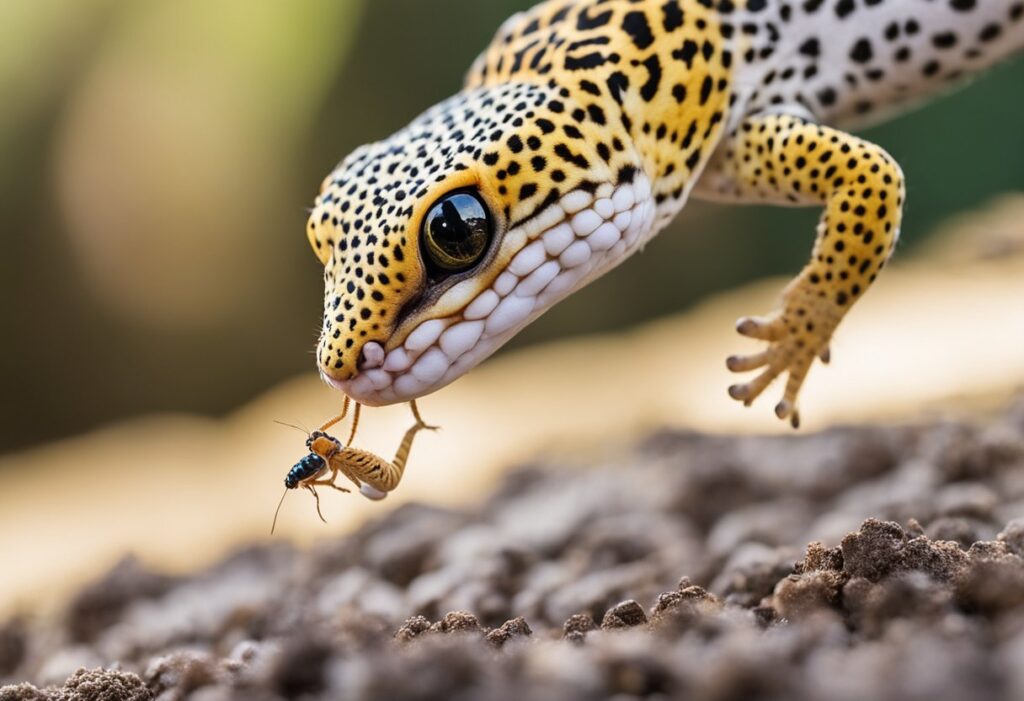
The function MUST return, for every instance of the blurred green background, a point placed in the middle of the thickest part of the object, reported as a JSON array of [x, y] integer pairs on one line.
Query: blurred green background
[[156, 160]]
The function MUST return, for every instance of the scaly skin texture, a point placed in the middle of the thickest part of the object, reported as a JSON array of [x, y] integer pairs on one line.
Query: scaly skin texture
[[584, 128]]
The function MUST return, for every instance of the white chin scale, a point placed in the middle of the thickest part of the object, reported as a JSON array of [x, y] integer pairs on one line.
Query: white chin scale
[[556, 253]]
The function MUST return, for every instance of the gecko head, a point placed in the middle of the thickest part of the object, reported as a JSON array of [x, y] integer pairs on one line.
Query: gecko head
[[440, 243]]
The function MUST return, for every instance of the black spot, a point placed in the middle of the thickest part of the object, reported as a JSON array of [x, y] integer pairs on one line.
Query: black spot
[[635, 25], [563, 152], [686, 53], [705, 89], [862, 51], [693, 160], [827, 97], [650, 88], [586, 62], [990, 32], [618, 83], [587, 22], [549, 200], [672, 16], [811, 47]]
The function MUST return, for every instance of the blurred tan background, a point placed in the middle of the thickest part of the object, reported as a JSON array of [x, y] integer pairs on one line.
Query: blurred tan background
[[160, 303]]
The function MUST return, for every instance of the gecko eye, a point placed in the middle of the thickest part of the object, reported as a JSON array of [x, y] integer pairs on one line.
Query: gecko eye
[[456, 232]]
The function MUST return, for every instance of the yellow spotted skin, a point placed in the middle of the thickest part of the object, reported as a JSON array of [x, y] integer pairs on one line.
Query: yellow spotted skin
[[652, 94], [584, 128]]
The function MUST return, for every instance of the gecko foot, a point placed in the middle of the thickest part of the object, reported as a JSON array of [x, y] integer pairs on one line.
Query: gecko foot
[[796, 336]]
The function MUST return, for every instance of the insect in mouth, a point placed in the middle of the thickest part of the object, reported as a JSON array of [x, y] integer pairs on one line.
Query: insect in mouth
[[328, 458]]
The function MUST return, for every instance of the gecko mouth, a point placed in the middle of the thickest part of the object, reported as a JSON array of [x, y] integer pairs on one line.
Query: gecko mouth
[[568, 245]]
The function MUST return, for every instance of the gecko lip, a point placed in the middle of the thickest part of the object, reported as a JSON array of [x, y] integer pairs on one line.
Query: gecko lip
[[572, 243]]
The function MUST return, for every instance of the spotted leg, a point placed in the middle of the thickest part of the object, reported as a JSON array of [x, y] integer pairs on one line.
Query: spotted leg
[[783, 159]]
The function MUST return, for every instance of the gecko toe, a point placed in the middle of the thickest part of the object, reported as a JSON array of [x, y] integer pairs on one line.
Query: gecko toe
[[743, 363], [762, 329], [738, 392]]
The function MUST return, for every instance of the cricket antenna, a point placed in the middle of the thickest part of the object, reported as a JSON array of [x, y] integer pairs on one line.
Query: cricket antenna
[[288, 425], [277, 511]]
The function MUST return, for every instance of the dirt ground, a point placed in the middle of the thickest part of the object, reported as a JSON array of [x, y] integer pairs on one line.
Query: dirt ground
[[859, 563]]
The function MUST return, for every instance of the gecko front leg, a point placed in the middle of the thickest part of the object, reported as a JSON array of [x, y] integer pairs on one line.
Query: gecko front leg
[[783, 159]]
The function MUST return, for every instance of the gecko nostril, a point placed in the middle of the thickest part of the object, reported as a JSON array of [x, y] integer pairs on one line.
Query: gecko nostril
[[371, 356]]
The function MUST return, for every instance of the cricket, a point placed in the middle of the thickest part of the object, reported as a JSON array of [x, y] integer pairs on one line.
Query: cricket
[[328, 458]]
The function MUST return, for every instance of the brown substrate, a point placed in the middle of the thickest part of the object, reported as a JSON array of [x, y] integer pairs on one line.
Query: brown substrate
[[678, 569]]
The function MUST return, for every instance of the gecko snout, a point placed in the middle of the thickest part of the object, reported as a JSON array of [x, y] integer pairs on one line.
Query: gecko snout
[[357, 361]]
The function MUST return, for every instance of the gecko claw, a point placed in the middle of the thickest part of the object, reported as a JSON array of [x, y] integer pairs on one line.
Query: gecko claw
[[739, 393], [743, 363], [786, 410], [761, 328]]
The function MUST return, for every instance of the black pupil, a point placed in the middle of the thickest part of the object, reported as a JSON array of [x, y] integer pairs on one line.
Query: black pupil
[[458, 229]]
